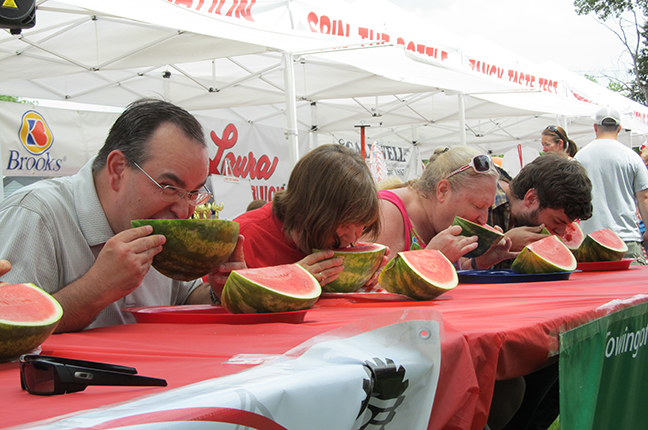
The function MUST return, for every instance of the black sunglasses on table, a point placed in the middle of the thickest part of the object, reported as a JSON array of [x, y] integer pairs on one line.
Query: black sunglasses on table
[[46, 375]]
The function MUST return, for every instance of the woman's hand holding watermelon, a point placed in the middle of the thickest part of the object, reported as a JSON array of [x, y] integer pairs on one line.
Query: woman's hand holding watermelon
[[236, 261], [451, 244], [5, 267], [324, 268], [522, 236], [373, 281], [500, 251]]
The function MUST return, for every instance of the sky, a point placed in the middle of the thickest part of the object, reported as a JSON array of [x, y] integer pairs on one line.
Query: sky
[[538, 30]]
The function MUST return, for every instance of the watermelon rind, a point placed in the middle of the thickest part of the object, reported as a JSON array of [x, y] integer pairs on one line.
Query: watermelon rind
[[486, 236], [193, 247], [360, 263], [401, 275], [18, 337], [592, 250], [529, 261], [244, 296]]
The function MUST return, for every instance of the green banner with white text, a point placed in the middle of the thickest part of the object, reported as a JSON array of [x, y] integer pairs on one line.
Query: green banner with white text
[[604, 372]]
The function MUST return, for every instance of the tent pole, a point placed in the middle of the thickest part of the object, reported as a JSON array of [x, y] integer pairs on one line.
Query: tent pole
[[1, 178], [312, 134], [462, 119], [291, 108]]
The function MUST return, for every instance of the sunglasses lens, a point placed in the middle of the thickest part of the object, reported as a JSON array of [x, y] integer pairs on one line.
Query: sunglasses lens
[[482, 163], [38, 377]]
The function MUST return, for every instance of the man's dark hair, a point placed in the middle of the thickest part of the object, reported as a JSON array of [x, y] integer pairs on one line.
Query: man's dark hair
[[135, 126], [604, 128], [560, 183]]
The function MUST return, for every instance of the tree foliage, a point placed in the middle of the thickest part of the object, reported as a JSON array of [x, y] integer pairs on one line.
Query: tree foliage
[[12, 99], [632, 30]]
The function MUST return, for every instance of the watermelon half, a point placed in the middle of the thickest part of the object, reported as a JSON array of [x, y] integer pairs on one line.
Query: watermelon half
[[572, 237], [547, 255], [283, 288], [602, 245], [194, 247], [422, 274], [360, 263], [28, 315], [487, 235]]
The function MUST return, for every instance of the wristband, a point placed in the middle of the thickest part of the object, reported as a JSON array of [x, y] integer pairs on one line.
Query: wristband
[[212, 296], [473, 263]]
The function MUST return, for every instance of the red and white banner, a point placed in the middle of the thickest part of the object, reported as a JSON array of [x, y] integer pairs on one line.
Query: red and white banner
[[379, 373], [49, 142]]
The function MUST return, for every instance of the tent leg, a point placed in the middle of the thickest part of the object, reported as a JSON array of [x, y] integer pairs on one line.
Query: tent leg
[[312, 134], [1, 178], [291, 108], [462, 119]]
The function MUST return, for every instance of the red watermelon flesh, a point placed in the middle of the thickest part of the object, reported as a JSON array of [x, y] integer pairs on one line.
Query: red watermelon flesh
[[573, 236], [608, 238], [601, 245], [28, 315], [282, 288], [545, 256]]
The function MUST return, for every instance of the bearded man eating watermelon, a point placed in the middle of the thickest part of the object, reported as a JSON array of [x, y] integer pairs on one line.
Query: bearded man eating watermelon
[[550, 192], [71, 236]]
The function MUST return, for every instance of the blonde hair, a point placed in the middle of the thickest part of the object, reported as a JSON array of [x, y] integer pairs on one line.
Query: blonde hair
[[442, 163], [390, 183]]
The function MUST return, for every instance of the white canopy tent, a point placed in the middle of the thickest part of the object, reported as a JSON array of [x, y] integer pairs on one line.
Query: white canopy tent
[[111, 53]]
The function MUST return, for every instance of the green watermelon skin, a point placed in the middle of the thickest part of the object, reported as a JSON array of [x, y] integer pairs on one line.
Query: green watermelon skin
[[401, 276], [486, 236], [360, 263], [40, 316], [601, 245], [194, 247], [241, 295], [535, 259]]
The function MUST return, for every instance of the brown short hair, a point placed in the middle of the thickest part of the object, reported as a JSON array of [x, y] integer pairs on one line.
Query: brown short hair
[[560, 184], [140, 120], [329, 186]]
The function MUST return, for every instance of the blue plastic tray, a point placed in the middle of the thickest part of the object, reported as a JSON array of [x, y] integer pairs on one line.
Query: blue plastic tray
[[508, 276]]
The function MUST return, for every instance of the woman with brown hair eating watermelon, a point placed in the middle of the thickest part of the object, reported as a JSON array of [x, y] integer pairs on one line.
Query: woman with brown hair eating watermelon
[[456, 182], [331, 200]]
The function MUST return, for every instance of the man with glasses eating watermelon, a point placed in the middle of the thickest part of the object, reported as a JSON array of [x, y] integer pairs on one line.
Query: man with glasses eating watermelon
[[72, 237]]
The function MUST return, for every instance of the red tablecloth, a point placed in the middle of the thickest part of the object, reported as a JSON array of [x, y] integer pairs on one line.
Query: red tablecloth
[[494, 331]]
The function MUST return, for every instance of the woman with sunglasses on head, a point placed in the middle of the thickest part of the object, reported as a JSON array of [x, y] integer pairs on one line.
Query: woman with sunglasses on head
[[456, 182], [331, 200], [555, 139]]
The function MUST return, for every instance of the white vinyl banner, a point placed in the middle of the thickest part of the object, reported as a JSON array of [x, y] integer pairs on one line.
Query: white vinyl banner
[[46, 142], [50, 142], [380, 373]]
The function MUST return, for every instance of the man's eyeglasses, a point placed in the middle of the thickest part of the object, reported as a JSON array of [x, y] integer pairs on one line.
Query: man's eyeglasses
[[479, 163], [170, 193], [46, 375], [554, 129]]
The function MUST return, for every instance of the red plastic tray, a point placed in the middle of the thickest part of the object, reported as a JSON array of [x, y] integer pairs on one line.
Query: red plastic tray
[[206, 314], [600, 266], [367, 297]]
